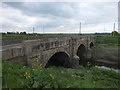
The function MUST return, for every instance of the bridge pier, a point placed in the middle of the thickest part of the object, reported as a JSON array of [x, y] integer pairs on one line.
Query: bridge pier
[[75, 61]]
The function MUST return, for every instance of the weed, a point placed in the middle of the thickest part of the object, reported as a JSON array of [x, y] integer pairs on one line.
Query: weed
[[52, 77]]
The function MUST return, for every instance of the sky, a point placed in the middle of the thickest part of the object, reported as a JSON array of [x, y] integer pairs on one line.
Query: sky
[[119, 17], [58, 17]]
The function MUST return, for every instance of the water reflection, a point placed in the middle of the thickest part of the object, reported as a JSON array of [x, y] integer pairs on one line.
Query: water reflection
[[94, 63]]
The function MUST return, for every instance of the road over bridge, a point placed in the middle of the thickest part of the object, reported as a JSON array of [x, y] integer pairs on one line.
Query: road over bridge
[[64, 51]]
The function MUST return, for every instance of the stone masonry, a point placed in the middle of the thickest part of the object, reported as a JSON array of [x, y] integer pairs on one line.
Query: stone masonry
[[45, 48]]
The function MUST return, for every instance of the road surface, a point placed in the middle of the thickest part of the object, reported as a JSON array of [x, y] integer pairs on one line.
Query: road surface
[[2, 48]]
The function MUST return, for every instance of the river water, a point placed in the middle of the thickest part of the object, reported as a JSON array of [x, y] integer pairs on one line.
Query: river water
[[95, 63], [108, 68]]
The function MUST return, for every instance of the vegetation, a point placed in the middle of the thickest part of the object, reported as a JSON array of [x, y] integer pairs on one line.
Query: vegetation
[[24, 34], [102, 33], [107, 48], [115, 33], [107, 41], [14, 76], [0, 68], [0, 74], [14, 35]]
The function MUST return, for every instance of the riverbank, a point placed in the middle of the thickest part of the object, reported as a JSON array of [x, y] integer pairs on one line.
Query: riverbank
[[106, 52], [14, 76]]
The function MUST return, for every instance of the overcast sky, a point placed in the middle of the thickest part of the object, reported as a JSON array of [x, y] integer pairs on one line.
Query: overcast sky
[[59, 17]]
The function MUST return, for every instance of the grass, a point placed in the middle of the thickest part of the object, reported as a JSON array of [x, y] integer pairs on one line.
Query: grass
[[108, 41], [0, 74], [13, 35], [12, 75], [58, 77], [0, 68], [107, 48], [30, 35], [108, 53]]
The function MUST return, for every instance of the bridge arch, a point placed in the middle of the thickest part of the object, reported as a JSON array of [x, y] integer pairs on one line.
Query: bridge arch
[[81, 52], [91, 45], [59, 59]]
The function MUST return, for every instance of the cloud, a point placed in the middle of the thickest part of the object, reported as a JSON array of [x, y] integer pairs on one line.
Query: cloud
[[44, 8], [59, 16], [13, 18]]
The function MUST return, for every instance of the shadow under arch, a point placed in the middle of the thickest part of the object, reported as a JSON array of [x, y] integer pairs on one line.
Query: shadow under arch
[[59, 59], [91, 45], [81, 52]]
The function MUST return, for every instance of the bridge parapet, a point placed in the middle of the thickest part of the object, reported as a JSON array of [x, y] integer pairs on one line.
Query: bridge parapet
[[45, 44]]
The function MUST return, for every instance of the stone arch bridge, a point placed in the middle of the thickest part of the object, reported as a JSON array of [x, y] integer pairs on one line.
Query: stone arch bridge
[[64, 51]]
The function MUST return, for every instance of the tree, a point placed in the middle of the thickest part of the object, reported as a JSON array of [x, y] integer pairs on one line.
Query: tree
[[23, 33], [115, 33], [10, 32]]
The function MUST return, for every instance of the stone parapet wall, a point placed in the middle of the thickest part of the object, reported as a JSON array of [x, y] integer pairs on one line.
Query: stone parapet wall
[[15, 40], [12, 53]]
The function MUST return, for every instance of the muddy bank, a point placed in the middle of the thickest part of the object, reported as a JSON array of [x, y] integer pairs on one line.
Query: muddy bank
[[108, 56], [107, 63]]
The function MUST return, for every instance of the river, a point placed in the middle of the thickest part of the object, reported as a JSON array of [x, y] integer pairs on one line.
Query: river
[[108, 68], [100, 64]]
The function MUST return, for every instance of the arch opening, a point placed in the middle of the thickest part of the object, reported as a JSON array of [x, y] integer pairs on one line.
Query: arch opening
[[59, 59], [91, 45], [81, 53]]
